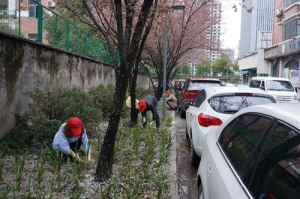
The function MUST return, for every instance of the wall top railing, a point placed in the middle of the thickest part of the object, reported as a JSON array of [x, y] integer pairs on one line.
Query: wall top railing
[[31, 20], [288, 47]]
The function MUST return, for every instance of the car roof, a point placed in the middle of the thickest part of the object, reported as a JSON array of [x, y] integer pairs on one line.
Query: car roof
[[269, 78], [288, 112], [209, 79], [240, 89]]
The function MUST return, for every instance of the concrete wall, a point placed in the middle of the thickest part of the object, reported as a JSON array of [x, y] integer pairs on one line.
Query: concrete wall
[[25, 65]]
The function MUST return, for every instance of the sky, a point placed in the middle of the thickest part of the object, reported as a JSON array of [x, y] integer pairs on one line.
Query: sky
[[231, 25]]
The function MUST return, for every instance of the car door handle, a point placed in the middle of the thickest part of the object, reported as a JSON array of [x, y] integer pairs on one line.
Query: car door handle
[[209, 170]]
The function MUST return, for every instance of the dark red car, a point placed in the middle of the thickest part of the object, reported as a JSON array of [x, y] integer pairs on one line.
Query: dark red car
[[190, 88]]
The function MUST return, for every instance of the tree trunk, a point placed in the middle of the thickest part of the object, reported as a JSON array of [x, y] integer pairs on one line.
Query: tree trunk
[[134, 112], [105, 162]]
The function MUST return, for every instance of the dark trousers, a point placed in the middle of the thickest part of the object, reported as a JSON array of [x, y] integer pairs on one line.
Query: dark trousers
[[75, 146]]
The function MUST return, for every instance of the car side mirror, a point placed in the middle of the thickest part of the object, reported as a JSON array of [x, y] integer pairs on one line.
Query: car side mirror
[[262, 87], [296, 89]]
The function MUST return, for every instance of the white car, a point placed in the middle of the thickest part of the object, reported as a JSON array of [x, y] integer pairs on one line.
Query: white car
[[281, 88], [254, 154], [214, 105]]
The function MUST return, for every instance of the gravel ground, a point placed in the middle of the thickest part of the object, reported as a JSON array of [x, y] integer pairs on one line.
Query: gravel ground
[[44, 171]]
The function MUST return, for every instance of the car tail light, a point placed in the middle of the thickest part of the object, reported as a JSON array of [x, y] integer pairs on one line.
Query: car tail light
[[189, 95], [208, 120]]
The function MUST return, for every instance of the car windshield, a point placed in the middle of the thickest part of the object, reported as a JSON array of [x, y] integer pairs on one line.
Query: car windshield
[[232, 104], [203, 84], [279, 85]]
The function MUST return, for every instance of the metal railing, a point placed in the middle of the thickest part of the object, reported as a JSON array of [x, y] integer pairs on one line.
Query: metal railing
[[31, 20]]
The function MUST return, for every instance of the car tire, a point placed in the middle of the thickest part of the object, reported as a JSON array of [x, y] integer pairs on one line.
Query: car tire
[[181, 113], [200, 192], [186, 132], [195, 159]]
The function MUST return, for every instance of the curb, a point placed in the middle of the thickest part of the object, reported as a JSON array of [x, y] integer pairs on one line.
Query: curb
[[173, 164]]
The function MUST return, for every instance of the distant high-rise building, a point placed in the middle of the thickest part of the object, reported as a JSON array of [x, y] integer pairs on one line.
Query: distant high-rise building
[[257, 17], [214, 31], [255, 36]]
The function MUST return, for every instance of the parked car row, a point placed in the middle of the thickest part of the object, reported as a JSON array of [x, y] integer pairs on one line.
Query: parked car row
[[214, 105], [246, 138]]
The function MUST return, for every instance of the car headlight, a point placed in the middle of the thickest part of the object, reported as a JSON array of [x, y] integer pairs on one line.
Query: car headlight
[[295, 98]]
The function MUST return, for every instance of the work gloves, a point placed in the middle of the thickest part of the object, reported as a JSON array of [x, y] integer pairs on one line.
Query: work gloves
[[89, 161], [144, 120], [78, 159]]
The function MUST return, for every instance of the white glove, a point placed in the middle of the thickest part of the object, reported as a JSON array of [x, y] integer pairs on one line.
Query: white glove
[[89, 161], [76, 156]]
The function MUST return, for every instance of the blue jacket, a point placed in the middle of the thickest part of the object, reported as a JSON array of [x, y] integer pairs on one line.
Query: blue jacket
[[152, 105], [62, 143]]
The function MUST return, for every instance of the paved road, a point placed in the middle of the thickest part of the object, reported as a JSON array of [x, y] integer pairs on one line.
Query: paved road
[[186, 174]]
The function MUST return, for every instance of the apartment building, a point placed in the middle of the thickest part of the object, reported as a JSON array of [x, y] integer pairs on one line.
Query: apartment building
[[213, 33], [255, 36], [212, 43], [21, 16], [284, 54]]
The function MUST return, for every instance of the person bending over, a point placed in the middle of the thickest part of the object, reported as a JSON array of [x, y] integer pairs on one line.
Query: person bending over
[[148, 103]]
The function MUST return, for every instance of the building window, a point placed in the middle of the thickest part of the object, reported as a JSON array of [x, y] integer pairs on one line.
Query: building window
[[292, 64], [290, 2], [33, 8], [3, 7], [292, 29], [275, 70], [33, 37]]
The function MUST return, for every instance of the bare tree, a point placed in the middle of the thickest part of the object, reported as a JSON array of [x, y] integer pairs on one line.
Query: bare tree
[[186, 33], [121, 25]]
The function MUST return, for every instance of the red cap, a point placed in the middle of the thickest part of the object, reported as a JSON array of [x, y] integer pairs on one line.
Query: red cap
[[142, 105], [168, 92], [75, 125]]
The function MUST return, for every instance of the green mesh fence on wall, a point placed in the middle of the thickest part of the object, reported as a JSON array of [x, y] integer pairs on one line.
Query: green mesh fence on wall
[[31, 20]]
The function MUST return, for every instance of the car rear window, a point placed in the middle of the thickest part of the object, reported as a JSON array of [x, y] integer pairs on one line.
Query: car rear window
[[202, 84], [231, 104]]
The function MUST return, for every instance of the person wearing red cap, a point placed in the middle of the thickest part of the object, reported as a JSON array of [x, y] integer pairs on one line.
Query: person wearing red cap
[[171, 100], [70, 137], [149, 103]]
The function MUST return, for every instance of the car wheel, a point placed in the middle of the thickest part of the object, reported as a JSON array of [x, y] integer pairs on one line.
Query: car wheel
[[200, 192], [195, 158], [186, 132], [181, 113]]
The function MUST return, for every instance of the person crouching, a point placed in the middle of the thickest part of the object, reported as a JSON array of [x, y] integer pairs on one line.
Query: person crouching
[[70, 137], [171, 100]]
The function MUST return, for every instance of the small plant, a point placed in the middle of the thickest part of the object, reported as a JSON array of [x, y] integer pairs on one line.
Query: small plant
[[169, 120], [19, 168]]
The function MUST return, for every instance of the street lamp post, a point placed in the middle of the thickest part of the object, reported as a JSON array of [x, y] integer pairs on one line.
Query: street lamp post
[[174, 7]]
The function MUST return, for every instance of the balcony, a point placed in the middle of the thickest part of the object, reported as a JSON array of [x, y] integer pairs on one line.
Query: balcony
[[283, 49]]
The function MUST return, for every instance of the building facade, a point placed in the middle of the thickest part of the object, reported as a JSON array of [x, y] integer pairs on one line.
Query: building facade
[[21, 17], [284, 54], [213, 33], [255, 35]]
